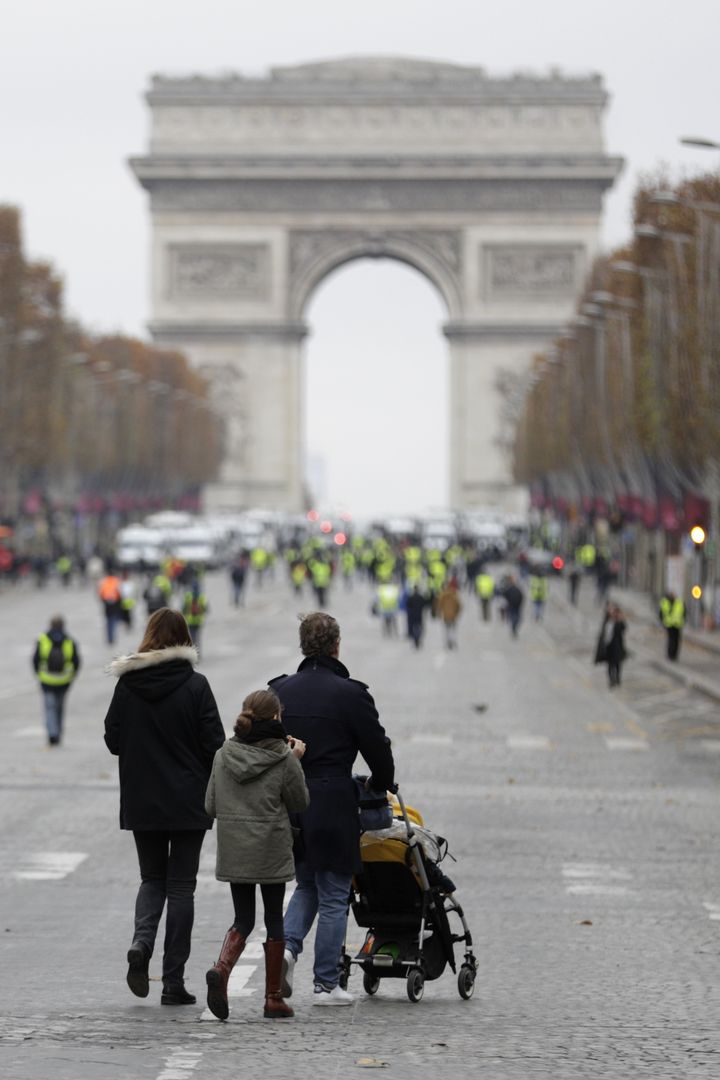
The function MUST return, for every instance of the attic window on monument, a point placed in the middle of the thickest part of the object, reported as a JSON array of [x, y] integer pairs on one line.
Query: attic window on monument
[[376, 392]]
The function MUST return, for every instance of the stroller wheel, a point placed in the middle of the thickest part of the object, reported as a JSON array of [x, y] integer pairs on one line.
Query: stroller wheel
[[415, 984], [466, 982], [371, 984], [343, 980]]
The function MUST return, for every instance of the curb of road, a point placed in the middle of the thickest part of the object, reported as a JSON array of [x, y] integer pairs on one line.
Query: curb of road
[[691, 679]]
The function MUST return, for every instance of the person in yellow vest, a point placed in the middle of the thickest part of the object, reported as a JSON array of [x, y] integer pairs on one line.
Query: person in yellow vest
[[672, 616], [538, 594], [298, 574], [195, 609], [388, 604], [260, 561], [320, 574], [485, 589], [56, 661], [128, 594], [348, 564], [64, 569]]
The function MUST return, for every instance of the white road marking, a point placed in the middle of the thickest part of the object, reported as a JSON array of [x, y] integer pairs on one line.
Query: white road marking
[[626, 742], [237, 988], [33, 732], [528, 742], [180, 1064], [439, 660], [429, 739], [598, 889], [595, 870], [48, 865], [595, 879], [710, 746], [713, 911]]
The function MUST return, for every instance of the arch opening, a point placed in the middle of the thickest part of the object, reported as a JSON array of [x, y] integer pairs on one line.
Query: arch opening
[[376, 391]]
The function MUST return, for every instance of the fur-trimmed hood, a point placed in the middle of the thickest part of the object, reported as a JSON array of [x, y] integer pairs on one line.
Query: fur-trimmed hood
[[134, 661], [154, 675]]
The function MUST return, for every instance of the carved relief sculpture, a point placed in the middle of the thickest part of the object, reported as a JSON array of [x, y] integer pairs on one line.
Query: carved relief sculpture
[[222, 271]]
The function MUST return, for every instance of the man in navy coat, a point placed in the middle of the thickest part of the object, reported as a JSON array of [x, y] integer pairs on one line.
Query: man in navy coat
[[336, 718]]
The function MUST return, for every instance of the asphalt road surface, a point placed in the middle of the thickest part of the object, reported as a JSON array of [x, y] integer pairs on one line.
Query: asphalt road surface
[[584, 823]]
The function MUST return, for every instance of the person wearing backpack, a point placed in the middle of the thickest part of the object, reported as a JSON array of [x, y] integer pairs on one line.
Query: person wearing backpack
[[56, 661]]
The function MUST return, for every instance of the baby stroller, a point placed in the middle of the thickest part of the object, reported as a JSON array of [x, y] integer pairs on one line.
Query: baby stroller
[[405, 903]]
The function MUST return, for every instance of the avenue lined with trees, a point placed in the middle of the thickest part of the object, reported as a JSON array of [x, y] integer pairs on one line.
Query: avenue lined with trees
[[622, 414], [90, 423]]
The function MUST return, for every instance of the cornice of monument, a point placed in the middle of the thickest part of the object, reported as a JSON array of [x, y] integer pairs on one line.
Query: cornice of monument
[[158, 167], [384, 79]]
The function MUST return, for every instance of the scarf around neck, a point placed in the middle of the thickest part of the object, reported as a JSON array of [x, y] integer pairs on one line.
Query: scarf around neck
[[263, 729]]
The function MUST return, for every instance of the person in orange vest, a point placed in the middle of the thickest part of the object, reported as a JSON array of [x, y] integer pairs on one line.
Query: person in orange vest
[[110, 593]]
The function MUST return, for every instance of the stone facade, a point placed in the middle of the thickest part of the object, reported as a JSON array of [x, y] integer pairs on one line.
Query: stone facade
[[260, 187]]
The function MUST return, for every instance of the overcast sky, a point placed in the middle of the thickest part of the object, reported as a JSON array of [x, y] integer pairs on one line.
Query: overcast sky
[[72, 78]]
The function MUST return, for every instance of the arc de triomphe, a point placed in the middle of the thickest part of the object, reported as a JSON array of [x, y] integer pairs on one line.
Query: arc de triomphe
[[260, 187]]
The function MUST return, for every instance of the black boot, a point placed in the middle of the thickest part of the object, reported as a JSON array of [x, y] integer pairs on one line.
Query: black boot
[[176, 994], [138, 958]]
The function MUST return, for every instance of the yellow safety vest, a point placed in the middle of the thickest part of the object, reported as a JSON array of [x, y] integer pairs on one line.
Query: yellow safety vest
[[673, 614], [485, 586], [55, 678]]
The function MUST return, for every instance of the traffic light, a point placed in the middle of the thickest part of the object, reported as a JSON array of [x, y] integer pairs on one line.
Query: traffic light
[[697, 535]]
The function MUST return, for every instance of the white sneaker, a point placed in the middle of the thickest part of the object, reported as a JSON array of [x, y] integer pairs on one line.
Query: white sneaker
[[336, 996], [288, 970]]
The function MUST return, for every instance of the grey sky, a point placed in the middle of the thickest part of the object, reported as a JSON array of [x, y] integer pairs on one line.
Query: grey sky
[[72, 76]]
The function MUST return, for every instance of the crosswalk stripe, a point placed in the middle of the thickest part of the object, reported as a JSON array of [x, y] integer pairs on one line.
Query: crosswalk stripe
[[528, 742], [596, 879], [180, 1064], [713, 911], [625, 742], [48, 865]]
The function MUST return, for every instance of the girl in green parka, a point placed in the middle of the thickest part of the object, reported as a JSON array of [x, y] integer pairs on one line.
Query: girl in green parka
[[256, 780]]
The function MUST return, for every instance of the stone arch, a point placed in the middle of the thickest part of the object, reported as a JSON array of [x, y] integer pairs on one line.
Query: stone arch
[[491, 187], [315, 255]]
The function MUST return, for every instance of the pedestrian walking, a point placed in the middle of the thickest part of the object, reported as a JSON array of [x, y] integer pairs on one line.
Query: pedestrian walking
[[164, 726], [415, 607], [514, 598], [672, 616], [335, 716], [128, 599], [448, 608], [574, 579], [256, 780], [388, 605], [238, 572], [320, 575], [110, 593], [615, 647], [195, 609], [539, 592], [56, 662], [485, 589]]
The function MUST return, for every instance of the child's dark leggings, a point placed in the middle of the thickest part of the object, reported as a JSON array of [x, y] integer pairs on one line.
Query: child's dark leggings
[[244, 902]]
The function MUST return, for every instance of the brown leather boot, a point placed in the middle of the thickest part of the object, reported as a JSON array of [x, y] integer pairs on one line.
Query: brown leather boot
[[275, 1007], [218, 975]]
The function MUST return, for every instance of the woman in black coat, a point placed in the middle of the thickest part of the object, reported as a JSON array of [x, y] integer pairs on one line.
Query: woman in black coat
[[615, 651], [164, 725]]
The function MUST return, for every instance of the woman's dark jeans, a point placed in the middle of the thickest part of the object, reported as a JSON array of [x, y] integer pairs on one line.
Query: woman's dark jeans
[[168, 869]]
